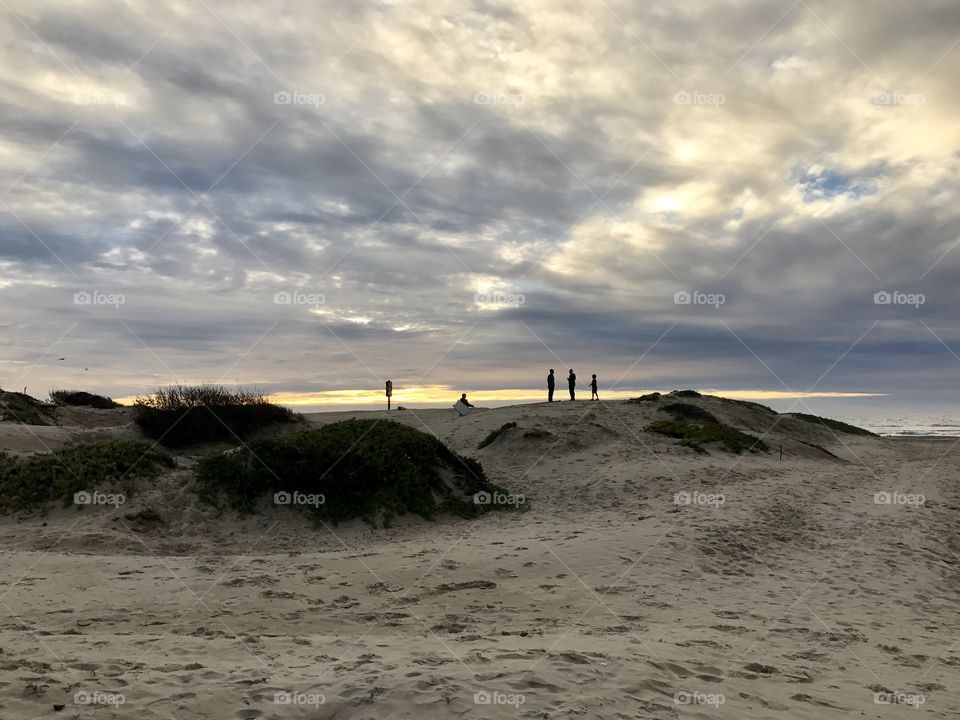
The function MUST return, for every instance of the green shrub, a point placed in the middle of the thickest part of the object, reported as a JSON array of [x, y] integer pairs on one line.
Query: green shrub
[[649, 397], [835, 425], [695, 436], [688, 412], [752, 405], [494, 434], [686, 393], [39, 480], [81, 398], [183, 415], [22, 409], [361, 468]]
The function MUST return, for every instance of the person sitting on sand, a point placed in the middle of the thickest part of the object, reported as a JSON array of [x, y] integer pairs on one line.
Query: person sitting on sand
[[572, 384], [593, 388], [463, 399]]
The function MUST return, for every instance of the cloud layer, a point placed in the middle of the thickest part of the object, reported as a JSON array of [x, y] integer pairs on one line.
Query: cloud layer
[[465, 193]]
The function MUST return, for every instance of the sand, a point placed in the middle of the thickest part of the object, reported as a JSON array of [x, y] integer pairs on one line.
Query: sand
[[797, 596]]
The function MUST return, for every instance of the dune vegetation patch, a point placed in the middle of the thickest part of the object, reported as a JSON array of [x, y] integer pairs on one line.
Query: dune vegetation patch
[[494, 434], [835, 425], [182, 415], [20, 408], [689, 413], [38, 481], [697, 435], [649, 397], [80, 398], [370, 469]]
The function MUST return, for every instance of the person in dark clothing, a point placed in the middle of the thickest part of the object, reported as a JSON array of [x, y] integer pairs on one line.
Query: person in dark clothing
[[463, 399], [551, 383], [572, 383], [593, 388]]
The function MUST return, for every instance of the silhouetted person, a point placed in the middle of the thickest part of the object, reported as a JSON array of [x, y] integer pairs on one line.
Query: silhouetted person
[[593, 388], [551, 384], [463, 399], [572, 384]]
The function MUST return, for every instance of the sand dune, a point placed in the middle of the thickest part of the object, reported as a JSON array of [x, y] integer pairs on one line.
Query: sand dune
[[642, 579]]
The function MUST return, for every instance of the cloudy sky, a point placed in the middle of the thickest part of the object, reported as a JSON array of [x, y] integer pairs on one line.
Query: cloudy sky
[[314, 197]]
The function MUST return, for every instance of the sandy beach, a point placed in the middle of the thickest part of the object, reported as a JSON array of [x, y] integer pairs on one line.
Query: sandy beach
[[641, 579]]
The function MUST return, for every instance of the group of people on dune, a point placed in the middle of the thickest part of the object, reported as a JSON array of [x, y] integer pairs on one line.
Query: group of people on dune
[[551, 386], [571, 384]]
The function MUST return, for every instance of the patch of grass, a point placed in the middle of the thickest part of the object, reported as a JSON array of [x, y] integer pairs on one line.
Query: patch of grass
[[688, 412], [685, 393], [83, 399], [22, 409], [37, 481], [752, 405], [362, 468], [494, 434], [695, 435], [182, 415], [836, 425]]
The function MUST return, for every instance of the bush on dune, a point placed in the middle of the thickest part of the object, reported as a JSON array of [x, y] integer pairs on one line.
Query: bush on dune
[[696, 435], [360, 468], [82, 399], [39, 480], [688, 412], [23, 409], [183, 414], [835, 425]]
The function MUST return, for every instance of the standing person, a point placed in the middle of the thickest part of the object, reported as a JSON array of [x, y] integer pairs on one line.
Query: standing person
[[551, 383], [572, 383], [593, 388]]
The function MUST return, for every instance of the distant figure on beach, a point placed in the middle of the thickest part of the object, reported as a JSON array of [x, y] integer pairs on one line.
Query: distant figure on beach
[[463, 399], [593, 388], [572, 383], [462, 406], [551, 384]]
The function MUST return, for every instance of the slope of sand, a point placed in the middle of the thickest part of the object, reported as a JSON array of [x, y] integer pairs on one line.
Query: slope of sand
[[798, 596]]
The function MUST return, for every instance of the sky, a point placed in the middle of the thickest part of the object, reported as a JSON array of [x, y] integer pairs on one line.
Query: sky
[[310, 198]]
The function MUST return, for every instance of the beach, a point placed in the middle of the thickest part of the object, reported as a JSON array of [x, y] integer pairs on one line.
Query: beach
[[636, 578]]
